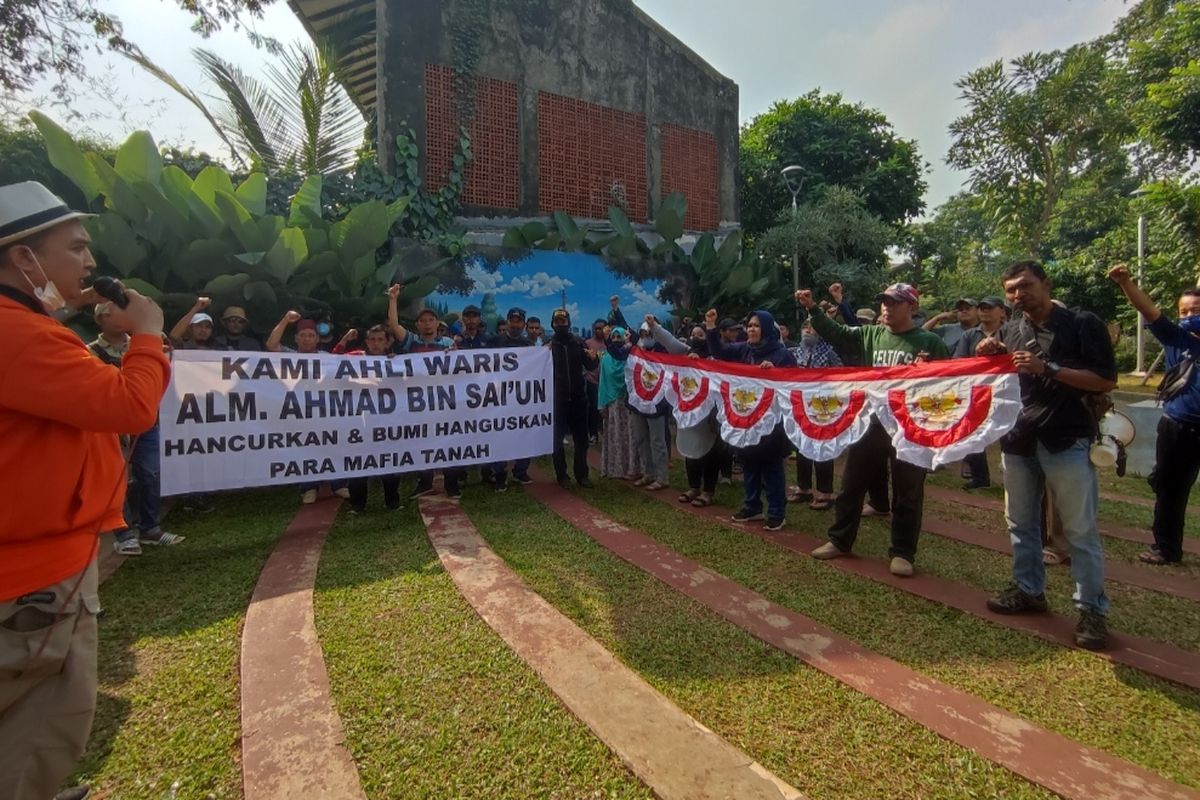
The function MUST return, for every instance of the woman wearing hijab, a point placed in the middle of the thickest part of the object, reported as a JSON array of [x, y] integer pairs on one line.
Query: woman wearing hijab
[[762, 463], [650, 432], [813, 352], [618, 457], [701, 446]]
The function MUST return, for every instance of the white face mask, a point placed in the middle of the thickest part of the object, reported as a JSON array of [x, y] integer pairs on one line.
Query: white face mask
[[49, 295]]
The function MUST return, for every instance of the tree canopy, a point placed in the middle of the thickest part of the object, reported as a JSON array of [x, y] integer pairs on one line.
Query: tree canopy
[[47, 38], [836, 143]]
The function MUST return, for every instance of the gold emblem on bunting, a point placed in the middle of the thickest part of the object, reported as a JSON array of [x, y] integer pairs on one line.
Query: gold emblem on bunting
[[824, 408], [745, 400], [936, 409]]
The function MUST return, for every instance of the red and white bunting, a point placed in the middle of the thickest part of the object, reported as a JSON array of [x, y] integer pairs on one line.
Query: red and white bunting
[[935, 413]]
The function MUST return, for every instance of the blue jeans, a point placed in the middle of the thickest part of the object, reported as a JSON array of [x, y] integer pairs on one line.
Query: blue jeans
[[499, 470], [143, 506], [1072, 480], [759, 476]]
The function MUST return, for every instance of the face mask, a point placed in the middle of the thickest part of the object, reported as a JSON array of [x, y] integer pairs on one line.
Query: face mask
[[617, 350], [49, 295], [324, 329], [562, 330], [810, 339], [1191, 325]]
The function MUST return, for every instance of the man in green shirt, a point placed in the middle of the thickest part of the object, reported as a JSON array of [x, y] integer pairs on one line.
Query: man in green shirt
[[895, 341]]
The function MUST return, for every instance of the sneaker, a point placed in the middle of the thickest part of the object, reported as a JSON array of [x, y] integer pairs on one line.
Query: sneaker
[[774, 524], [343, 493], [643, 481], [499, 488], [524, 480], [1011, 600], [1092, 632], [128, 547], [901, 567], [74, 793], [159, 537], [655, 486], [586, 484], [309, 497], [421, 491], [969, 485], [827, 551], [745, 515]]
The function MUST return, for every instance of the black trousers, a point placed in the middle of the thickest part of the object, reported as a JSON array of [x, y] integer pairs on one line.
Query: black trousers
[[908, 489], [571, 416], [806, 468], [877, 488], [595, 421], [1176, 465], [391, 491], [980, 472], [702, 473]]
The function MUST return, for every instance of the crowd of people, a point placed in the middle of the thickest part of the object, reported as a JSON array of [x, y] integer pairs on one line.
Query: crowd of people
[[64, 404]]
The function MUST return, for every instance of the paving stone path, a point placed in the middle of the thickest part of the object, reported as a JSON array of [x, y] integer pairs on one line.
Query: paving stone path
[[676, 756], [292, 739], [1046, 758]]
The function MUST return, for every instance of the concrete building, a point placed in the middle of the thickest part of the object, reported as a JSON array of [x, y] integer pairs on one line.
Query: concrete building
[[571, 105]]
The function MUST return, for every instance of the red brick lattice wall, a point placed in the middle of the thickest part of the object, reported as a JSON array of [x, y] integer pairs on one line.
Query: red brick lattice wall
[[492, 176], [583, 150], [690, 165]]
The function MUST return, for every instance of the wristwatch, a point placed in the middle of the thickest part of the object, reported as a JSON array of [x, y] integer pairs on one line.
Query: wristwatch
[[1052, 369]]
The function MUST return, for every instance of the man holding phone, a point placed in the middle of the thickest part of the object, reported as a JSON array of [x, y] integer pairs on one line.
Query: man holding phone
[[1063, 357]]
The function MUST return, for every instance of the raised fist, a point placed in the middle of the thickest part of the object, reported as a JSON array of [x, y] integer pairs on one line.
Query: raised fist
[[710, 318], [292, 317], [805, 298], [350, 336], [651, 320], [1120, 275], [394, 290], [835, 291], [203, 303]]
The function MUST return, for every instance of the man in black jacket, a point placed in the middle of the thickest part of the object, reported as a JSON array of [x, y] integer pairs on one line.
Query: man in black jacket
[[571, 357], [1064, 358]]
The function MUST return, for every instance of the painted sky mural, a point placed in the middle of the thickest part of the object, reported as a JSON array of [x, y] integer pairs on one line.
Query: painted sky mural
[[546, 280]]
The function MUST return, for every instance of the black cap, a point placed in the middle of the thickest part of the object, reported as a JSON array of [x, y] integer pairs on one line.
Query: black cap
[[994, 302], [470, 310], [515, 312], [560, 313], [728, 323], [966, 301]]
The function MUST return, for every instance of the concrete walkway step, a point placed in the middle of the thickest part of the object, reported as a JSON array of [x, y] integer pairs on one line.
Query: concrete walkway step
[[1142, 535], [671, 752], [292, 739], [1046, 758], [1148, 655]]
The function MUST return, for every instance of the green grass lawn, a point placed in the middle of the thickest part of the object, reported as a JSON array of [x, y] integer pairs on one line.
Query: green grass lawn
[[433, 703], [823, 738], [1065, 690], [170, 640]]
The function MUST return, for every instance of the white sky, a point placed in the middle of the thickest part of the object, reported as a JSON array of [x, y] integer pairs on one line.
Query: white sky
[[899, 56]]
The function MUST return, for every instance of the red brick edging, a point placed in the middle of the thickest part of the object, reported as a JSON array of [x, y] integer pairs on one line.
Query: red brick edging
[[292, 739], [1039, 755], [671, 752]]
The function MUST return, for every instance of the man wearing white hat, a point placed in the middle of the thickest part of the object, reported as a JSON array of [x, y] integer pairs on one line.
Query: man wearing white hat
[[62, 482]]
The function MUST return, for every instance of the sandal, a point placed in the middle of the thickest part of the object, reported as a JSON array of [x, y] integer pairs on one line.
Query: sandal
[[689, 495], [821, 503], [655, 486], [1153, 557], [798, 495], [703, 501]]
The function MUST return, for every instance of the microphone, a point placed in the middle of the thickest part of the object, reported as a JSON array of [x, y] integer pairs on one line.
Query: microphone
[[112, 290]]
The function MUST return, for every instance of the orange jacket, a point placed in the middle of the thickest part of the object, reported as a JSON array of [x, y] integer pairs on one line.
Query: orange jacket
[[62, 477]]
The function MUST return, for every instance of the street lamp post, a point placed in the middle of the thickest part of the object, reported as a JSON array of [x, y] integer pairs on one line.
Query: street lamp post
[[1140, 369], [793, 178]]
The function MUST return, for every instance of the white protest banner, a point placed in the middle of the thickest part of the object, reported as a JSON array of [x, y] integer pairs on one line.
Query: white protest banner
[[936, 413], [231, 420]]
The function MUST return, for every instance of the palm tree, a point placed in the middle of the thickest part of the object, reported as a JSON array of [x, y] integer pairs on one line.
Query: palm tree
[[299, 119]]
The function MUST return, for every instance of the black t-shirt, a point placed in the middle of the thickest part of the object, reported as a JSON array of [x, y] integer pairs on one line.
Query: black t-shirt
[[1080, 341]]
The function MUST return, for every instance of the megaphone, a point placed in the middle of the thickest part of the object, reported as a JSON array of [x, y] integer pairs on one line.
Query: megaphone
[[1117, 432]]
